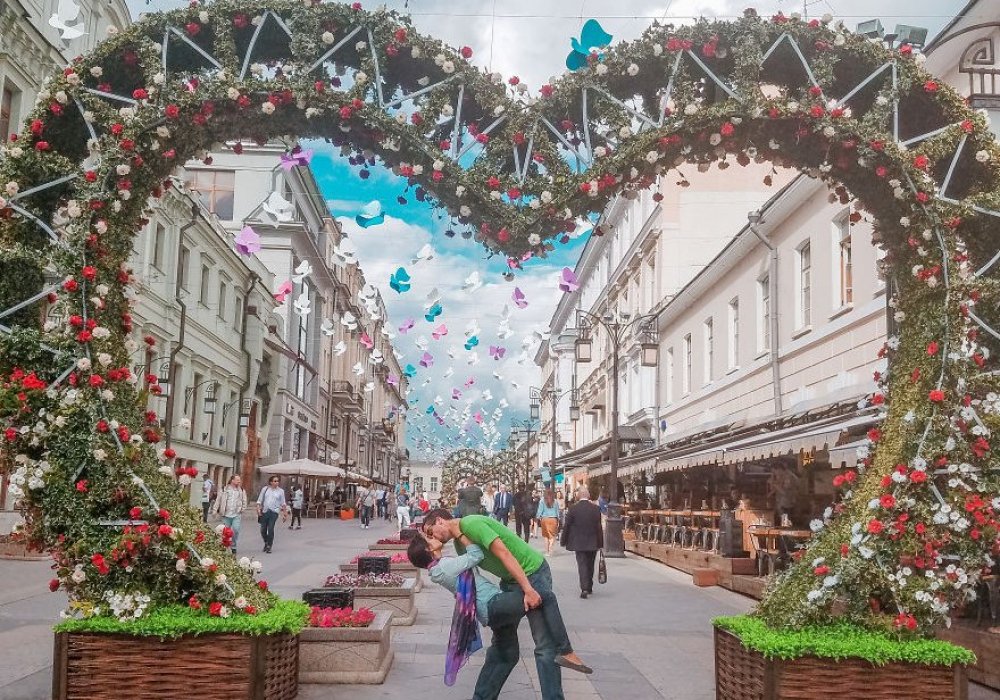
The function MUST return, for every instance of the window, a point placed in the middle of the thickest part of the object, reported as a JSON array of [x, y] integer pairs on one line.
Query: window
[[804, 316], [203, 286], [182, 268], [686, 378], [159, 235], [301, 348], [764, 313], [669, 360], [845, 277], [708, 330], [418, 484], [6, 112], [238, 309], [223, 294], [216, 189], [734, 333], [434, 484]]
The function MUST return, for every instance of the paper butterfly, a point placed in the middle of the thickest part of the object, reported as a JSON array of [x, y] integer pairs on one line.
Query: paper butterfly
[[369, 387], [327, 328], [433, 312], [349, 321], [66, 12], [433, 297], [421, 342], [440, 332], [497, 351], [472, 342], [409, 371], [276, 209], [518, 298], [370, 215], [399, 281], [407, 326], [456, 394], [425, 253], [345, 253], [358, 369], [302, 304], [284, 289], [289, 161], [376, 357], [340, 348], [592, 38], [568, 282], [469, 382], [427, 360], [472, 282], [367, 341], [247, 241], [303, 270]]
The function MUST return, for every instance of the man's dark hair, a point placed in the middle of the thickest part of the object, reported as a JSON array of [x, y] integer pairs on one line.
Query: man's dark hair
[[418, 553], [437, 514]]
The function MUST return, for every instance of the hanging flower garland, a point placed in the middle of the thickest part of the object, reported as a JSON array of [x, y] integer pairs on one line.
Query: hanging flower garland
[[916, 524]]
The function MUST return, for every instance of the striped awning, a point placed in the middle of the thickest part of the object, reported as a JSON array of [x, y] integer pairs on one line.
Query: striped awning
[[793, 441]]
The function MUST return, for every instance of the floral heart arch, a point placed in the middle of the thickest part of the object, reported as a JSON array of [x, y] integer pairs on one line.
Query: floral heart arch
[[504, 467], [917, 521]]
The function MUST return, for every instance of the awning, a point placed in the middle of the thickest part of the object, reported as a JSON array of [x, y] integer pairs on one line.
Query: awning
[[638, 466], [692, 459], [793, 441], [847, 455], [304, 467], [596, 453]]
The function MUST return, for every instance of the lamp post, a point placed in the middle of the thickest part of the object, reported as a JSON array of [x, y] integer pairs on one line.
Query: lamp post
[[527, 428], [619, 329], [552, 396]]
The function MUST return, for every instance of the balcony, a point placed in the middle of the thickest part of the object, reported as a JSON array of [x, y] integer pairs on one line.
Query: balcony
[[345, 395]]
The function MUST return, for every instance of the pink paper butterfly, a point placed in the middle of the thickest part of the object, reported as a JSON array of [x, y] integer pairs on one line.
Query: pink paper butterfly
[[569, 282], [367, 341], [478, 417], [497, 351], [247, 241], [407, 326], [426, 360], [284, 289], [469, 382], [456, 394], [440, 332], [392, 380], [518, 298], [301, 158]]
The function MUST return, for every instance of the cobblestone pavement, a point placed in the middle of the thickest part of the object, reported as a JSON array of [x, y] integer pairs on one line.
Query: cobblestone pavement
[[646, 632]]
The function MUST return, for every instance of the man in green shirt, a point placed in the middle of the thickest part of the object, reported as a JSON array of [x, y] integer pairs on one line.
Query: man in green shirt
[[518, 565]]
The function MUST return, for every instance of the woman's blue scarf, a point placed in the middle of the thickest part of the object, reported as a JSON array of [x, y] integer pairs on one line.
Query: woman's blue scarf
[[465, 638]]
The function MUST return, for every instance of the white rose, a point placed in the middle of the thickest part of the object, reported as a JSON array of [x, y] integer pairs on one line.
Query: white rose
[[97, 71], [448, 67], [601, 69], [83, 364], [652, 157], [360, 77], [233, 94], [203, 16], [181, 566], [657, 49], [100, 455], [327, 38], [546, 196], [267, 108], [360, 46], [690, 109], [633, 69], [982, 156]]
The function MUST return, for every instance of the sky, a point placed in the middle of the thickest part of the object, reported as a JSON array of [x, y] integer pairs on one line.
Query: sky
[[529, 39]]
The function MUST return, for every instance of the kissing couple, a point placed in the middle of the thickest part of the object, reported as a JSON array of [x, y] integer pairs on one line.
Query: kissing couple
[[524, 590]]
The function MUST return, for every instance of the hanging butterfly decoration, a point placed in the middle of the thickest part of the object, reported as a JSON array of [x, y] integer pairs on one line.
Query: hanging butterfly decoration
[[284, 289], [370, 215], [472, 342], [247, 241], [426, 360], [519, 299], [440, 332], [296, 158], [497, 351], [399, 281], [433, 312], [593, 39], [407, 326], [568, 281]]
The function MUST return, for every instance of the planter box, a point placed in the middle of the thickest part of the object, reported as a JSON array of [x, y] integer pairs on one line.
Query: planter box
[[744, 674], [376, 547], [208, 667], [407, 570], [396, 601], [346, 654]]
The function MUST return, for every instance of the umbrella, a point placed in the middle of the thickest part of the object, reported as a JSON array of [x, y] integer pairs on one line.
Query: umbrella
[[304, 467]]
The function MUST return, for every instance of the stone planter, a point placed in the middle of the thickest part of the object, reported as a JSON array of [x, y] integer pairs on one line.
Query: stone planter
[[346, 654], [398, 601], [407, 570], [207, 667], [376, 547], [742, 673]]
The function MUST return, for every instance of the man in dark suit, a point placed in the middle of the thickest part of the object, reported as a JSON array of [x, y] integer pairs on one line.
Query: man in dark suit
[[502, 505], [582, 533], [470, 499], [523, 512]]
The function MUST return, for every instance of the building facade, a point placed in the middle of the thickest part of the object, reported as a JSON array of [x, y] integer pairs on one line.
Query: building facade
[[425, 477]]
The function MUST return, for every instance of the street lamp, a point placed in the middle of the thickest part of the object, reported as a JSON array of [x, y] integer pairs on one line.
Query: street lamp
[[620, 329], [552, 396], [527, 428]]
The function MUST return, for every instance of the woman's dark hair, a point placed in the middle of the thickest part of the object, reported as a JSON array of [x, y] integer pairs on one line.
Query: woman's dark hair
[[418, 553]]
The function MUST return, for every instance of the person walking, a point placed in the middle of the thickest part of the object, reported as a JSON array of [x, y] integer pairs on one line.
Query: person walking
[[583, 534], [470, 499], [270, 504], [380, 502], [386, 511], [536, 498], [502, 505], [298, 498], [230, 505], [403, 508], [522, 512], [548, 516], [365, 504], [489, 500], [207, 489]]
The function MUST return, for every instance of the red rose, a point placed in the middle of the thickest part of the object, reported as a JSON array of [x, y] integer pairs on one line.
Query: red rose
[[169, 453], [493, 182], [193, 603], [135, 513], [262, 585], [54, 585], [172, 111], [546, 90], [921, 162], [821, 570], [875, 526], [727, 129], [936, 395], [930, 86], [164, 530], [81, 486], [466, 52], [918, 477], [887, 501], [932, 347], [250, 610]]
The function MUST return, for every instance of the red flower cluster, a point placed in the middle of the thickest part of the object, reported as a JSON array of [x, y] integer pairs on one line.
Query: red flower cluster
[[340, 617]]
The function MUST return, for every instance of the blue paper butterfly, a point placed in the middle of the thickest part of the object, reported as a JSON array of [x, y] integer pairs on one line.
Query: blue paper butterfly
[[400, 280], [433, 313], [370, 215], [472, 342], [410, 371], [592, 36]]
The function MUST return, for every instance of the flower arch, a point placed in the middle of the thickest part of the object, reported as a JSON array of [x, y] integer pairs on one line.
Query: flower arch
[[466, 462], [917, 521]]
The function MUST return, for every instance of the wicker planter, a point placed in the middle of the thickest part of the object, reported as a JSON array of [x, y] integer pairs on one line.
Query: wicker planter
[[398, 601], [208, 667], [407, 570], [346, 654], [744, 674]]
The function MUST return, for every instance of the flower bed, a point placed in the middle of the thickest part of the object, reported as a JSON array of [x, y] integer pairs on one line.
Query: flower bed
[[340, 617], [389, 544], [753, 660], [178, 652], [346, 654], [364, 581], [398, 558], [399, 565], [391, 540]]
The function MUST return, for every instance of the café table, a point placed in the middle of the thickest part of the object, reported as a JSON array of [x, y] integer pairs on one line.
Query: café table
[[772, 545]]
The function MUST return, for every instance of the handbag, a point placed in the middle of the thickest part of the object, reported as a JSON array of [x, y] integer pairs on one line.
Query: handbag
[[602, 569]]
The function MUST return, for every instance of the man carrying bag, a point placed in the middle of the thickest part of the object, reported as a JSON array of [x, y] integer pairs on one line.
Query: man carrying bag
[[582, 533]]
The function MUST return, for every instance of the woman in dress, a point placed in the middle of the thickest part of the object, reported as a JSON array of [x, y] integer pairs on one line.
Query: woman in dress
[[489, 499], [548, 516]]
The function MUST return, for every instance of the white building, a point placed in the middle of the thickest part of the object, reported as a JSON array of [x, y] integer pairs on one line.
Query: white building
[[425, 477]]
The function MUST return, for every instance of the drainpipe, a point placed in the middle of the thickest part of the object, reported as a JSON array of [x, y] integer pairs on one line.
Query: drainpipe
[[248, 365], [179, 345], [754, 218]]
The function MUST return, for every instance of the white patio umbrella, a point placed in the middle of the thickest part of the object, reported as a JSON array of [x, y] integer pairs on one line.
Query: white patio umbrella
[[304, 467]]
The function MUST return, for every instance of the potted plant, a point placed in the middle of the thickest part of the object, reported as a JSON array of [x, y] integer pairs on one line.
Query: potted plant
[[398, 564], [345, 645], [381, 592]]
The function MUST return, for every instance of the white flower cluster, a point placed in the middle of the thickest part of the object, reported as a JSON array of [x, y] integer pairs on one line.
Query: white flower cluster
[[127, 606], [29, 473]]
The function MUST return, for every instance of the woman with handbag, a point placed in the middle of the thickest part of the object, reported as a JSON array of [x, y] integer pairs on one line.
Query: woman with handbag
[[548, 516], [583, 534]]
